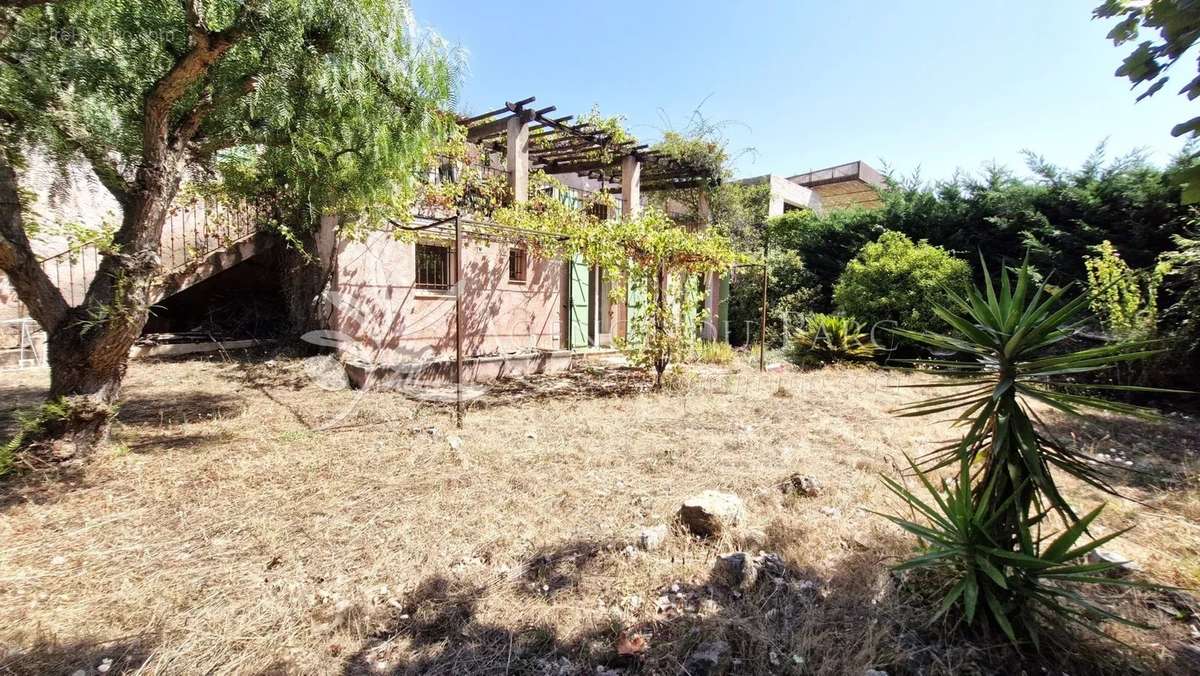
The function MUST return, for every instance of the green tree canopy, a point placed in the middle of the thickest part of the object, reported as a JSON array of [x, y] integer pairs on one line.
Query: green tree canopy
[[329, 106]]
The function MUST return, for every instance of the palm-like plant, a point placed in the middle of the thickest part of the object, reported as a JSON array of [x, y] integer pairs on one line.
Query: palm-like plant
[[1016, 589], [825, 339], [1006, 344]]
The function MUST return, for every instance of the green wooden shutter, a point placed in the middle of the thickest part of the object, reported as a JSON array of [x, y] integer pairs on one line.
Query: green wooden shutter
[[578, 334]]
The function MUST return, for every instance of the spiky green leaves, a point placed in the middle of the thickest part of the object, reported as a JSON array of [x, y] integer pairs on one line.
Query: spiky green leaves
[[824, 339], [1015, 590], [988, 529]]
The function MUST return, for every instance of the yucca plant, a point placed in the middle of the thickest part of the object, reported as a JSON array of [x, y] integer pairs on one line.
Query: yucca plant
[[1018, 590], [1003, 360], [824, 339]]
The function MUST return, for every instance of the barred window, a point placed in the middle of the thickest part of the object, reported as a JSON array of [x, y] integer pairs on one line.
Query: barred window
[[433, 266], [516, 265]]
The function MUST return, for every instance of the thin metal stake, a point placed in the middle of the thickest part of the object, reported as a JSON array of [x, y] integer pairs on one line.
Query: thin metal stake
[[458, 322], [762, 329]]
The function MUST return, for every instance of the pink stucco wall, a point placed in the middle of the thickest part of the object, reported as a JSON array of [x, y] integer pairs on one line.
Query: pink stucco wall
[[387, 320]]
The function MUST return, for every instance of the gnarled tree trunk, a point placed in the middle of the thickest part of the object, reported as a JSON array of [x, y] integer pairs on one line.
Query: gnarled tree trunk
[[89, 344]]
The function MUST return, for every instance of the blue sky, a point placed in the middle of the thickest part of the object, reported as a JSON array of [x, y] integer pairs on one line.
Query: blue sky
[[934, 84]]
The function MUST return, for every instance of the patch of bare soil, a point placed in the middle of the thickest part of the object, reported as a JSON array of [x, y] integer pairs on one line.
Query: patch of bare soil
[[246, 520]]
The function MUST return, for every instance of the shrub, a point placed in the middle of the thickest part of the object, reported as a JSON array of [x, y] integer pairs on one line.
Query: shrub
[[895, 279], [714, 353], [824, 339], [1124, 300], [31, 425], [792, 291], [1182, 315], [988, 531], [1016, 590]]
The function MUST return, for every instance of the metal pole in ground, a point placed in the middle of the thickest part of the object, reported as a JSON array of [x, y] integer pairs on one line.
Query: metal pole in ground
[[458, 321], [762, 328]]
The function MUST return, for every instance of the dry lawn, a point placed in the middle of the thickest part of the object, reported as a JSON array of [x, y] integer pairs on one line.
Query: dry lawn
[[226, 532]]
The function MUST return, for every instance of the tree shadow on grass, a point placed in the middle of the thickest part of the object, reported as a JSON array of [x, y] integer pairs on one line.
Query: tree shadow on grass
[[144, 425], [1154, 454], [136, 409], [122, 656], [439, 629], [788, 621]]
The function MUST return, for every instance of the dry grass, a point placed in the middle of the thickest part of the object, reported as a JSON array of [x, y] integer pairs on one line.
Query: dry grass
[[224, 532]]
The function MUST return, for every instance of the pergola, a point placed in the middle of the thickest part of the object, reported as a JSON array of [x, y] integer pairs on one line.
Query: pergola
[[530, 139]]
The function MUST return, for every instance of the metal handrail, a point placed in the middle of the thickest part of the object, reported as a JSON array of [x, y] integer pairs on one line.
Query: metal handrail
[[192, 233]]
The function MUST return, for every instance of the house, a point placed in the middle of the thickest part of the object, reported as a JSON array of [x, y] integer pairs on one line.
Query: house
[[854, 184], [403, 310]]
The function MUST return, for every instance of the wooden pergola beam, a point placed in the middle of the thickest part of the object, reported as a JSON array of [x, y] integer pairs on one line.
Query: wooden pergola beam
[[467, 122], [499, 126]]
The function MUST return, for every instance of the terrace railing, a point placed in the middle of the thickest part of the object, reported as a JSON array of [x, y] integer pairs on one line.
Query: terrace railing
[[191, 234]]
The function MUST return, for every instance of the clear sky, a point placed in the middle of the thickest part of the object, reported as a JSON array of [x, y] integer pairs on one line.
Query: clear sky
[[935, 84]]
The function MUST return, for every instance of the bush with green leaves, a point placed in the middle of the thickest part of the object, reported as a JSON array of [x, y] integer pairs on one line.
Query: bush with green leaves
[[825, 339], [822, 245], [990, 531], [1014, 590], [1183, 284], [1125, 300], [897, 280], [792, 292]]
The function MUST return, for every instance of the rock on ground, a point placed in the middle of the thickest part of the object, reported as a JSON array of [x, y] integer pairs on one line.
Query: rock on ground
[[653, 537], [736, 571], [711, 512], [801, 484], [708, 659], [1124, 565]]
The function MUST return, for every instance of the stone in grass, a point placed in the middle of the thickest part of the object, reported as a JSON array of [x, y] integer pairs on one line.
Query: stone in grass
[[653, 537], [711, 512], [751, 538], [802, 485], [736, 571], [710, 658], [1123, 565]]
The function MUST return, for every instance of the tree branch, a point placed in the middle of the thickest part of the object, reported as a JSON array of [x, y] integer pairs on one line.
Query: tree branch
[[207, 47], [33, 285], [189, 131]]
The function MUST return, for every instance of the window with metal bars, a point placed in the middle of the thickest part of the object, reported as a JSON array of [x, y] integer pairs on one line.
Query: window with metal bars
[[517, 260], [433, 266]]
